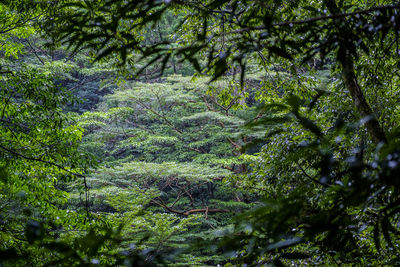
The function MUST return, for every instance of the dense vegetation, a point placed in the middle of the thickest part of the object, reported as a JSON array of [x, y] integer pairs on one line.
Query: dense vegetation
[[184, 133]]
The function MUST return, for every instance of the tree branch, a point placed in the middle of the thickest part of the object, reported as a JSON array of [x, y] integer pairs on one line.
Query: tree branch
[[188, 212], [43, 161], [320, 18]]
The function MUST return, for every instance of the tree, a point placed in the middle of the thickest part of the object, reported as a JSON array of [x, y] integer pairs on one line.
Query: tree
[[38, 153], [166, 147], [345, 191], [246, 28], [230, 34]]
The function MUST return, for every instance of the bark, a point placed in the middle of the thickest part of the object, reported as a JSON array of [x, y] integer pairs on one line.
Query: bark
[[345, 58], [374, 129]]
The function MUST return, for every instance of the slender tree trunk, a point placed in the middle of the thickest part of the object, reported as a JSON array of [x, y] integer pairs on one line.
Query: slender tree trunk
[[374, 129], [174, 65], [345, 58]]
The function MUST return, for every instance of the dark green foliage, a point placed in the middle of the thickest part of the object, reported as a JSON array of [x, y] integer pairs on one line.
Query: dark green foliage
[[322, 145], [38, 155], [347, 198], [246, 27]]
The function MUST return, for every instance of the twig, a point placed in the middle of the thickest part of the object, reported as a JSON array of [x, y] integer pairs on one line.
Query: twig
[[308, 176]]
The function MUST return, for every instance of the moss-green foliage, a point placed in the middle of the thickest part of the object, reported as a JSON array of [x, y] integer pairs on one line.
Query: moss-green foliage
[[145, 173], [173, 143], [322, 141], [161, 122]]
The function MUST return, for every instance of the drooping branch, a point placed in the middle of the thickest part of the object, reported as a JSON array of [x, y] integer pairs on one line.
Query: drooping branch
[[15, 153], [335, 16], [338, 16]]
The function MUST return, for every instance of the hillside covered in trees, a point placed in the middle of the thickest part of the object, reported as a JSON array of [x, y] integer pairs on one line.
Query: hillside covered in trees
[[199, 133]]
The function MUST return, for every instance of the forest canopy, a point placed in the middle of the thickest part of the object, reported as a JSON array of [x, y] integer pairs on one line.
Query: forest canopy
[[199, 133]]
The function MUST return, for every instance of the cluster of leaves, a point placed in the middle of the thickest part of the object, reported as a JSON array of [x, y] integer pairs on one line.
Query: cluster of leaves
[[227, 33], [172, 142], [329, 178], [334, 202], [39, 155]]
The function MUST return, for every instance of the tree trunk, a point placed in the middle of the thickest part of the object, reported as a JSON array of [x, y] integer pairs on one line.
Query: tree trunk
[[345, 58], [374, 129]]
